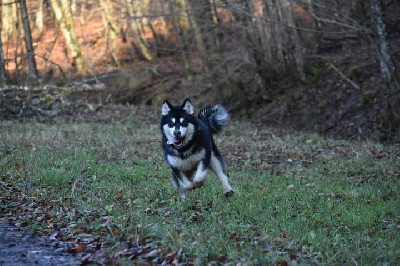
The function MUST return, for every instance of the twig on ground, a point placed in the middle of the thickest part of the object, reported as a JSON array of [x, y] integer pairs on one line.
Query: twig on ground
[[344, 76]]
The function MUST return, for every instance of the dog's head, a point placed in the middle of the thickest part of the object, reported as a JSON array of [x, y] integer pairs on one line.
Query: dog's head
[[177, 123]]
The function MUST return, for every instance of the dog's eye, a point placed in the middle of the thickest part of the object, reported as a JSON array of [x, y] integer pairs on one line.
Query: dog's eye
[[184, 123]]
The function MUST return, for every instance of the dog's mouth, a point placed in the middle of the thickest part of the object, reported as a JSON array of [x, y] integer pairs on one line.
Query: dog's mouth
[[177, 142]]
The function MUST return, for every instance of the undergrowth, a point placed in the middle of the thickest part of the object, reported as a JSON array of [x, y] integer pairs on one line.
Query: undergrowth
[[299, 197]]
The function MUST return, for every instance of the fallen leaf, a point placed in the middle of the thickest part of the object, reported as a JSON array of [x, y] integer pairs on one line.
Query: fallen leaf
[[47, 231], [171, 256], [152, 254], [84, 235], [284, 232], [119, 196], [319, 223], [280, 241], [283, 263], [78, 249]]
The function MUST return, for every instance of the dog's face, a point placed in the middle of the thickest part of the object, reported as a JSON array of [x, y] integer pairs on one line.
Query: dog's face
[[176, 122]]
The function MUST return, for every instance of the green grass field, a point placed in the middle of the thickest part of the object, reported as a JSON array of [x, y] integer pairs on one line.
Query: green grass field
[[299, 197]]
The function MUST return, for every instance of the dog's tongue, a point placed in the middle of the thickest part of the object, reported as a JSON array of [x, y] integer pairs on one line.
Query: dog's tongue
[[171, 141]]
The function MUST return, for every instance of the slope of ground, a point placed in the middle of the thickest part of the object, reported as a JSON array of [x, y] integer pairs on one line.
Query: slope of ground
[[103, 192]]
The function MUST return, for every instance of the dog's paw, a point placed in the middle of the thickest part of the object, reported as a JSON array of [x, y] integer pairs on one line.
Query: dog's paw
[[198, 184], [229, 193]]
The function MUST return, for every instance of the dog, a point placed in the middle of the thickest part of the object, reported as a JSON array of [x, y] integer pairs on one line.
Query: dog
[[189, 147]]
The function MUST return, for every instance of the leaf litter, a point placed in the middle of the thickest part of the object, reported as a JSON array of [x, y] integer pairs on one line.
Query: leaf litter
[[94, 236]]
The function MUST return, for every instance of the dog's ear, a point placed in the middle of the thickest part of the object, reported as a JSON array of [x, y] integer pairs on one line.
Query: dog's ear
[[166, 107], [188, 106]]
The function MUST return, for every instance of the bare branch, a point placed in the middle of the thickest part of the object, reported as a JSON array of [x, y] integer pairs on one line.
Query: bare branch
[[344, 77]]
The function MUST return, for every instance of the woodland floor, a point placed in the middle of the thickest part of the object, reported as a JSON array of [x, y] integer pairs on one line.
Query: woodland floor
[[96, 188]]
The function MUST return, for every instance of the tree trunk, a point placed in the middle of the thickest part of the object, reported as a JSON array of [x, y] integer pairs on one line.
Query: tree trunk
[[194, 25], [39, 17], [203, 22], [63, 12], [387, 66], [166, 18], [8, 18], [133, 10], [294, 39], [280, 41], [28, 39], [146, 21], [272, 44], [388, 97], [109, 22], [3, 75], [182, 40]]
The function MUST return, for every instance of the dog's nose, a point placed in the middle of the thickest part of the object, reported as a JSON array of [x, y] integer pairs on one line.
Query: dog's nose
[[177, 133]]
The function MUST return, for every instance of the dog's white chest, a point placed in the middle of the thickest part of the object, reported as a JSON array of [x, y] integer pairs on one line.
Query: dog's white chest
[[187, 163]]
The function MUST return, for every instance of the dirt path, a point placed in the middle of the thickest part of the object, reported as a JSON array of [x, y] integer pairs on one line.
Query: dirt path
[[22, 248]]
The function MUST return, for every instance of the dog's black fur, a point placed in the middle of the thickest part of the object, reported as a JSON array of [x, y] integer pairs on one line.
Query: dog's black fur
[[188, 145]]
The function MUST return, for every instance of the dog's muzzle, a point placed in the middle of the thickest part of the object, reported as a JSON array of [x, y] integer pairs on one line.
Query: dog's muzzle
[[177, 142]]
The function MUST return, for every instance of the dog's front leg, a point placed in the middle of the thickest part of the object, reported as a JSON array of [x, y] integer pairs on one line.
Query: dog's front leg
[[200, 176], [181, 182]]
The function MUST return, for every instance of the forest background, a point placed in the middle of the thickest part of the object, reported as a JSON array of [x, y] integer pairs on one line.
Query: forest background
[[327, 66], [312, 149]]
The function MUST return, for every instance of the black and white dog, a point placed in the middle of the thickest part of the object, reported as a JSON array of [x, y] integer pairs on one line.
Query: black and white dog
[[189, 147]]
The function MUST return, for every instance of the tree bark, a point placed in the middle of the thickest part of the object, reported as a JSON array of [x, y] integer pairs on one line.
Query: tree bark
[[39, 17], [28, 39], [133, 10], [190, 10], [146, 21], [388, 98], [3, 75], [109, 22], [182, 41], [8, 18], [203, 22], [294, 38], [386, 63], [63, 12]]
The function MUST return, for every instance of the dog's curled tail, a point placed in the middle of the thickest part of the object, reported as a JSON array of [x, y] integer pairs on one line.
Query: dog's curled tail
[[215, 117]]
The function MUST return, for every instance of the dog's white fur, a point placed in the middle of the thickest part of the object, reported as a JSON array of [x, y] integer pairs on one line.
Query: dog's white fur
[[186, 162]]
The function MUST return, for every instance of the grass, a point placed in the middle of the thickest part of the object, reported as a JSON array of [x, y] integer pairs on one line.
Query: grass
[[299, 197]]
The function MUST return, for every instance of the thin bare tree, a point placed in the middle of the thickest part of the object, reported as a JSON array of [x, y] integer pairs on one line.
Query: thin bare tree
[[8, 18], [386, 62], [388, 97], [134, 11], [39, 17], [3, 74], [181, 36], [110, 24], [63, 12], [28, 39]]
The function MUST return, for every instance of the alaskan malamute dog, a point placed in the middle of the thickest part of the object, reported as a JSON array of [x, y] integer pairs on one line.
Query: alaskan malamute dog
[[188, 144]]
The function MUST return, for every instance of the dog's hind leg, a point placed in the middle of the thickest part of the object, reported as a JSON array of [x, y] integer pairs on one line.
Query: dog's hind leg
[[217, 165]]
